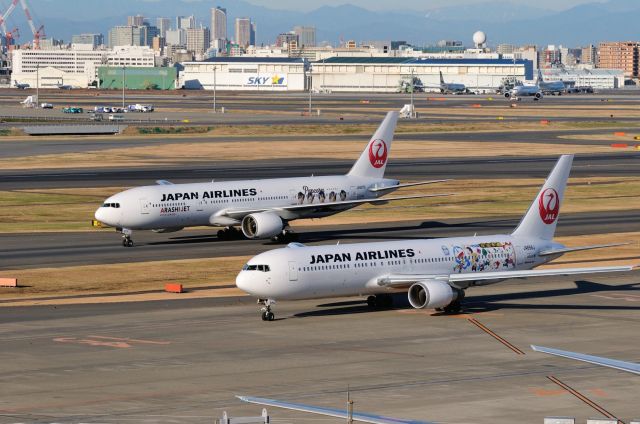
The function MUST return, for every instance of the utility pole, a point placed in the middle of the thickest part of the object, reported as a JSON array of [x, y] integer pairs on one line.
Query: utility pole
[[310, 90]]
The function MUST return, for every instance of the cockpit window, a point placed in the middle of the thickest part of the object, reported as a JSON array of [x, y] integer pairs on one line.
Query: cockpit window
[[111, 205], [263, 268]]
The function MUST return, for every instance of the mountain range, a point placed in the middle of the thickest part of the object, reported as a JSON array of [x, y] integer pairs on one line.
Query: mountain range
[[504, 21]]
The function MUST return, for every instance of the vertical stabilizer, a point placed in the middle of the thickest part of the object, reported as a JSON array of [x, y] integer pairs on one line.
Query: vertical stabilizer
[[540, 78], [542, 217], [373, 160], [441, 79]]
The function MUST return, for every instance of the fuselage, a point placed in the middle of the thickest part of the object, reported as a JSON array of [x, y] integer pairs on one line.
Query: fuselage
[[525, 90], [355, 269], [199, 204]]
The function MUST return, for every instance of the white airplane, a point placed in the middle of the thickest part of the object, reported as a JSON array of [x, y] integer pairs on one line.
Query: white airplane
[[329, 412], [597, 360], [434, 272], [20, 86], [453, 88], [552, 87], [262, 208], [525, 91]]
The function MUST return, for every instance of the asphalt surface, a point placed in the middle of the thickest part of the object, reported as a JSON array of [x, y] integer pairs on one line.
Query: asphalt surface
[[624, 163], [38, 250], [184, 361]]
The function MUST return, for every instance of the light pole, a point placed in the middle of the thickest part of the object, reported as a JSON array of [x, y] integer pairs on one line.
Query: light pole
[[215, 68], [310, 82], [412, 111], [123, 82], [37, 84]]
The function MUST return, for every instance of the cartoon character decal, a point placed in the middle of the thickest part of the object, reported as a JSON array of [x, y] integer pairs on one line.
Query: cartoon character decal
[[484, 257]]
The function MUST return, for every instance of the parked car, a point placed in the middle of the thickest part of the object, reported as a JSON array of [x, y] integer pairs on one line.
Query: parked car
[[46, 106], [114, 117], [72, 109]]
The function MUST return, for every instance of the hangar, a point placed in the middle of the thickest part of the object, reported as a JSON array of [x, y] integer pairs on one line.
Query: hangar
[[382, 74], [245, 73]]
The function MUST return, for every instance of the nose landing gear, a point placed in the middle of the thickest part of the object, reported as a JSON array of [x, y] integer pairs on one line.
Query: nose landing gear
[[267, 315], [126, 237]]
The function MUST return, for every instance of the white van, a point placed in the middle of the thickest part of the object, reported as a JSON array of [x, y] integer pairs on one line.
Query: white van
[[113, 117]]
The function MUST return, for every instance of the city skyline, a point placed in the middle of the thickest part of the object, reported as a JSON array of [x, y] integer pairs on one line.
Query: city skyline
[[504, 21]]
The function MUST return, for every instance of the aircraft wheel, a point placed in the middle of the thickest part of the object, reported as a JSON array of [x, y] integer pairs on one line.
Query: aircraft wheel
[[270, 316], [372, 301], [130, 243]]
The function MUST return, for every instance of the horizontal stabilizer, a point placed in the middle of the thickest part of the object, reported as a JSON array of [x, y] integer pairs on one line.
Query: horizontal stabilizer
[[397, 186], [329, 412], [164, 182], [551, 252], [597, 360]]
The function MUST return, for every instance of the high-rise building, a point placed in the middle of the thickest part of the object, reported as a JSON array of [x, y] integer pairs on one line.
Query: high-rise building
[[137, 20], [621, 55], [198, 40], [287, 38], [550, 57], [252, 34], [163, 24], [505, 49], [126, 35], [185, 22], [218, 23], [243, 32], [176, 37], [589, 55], [94, 39], [306, 35]]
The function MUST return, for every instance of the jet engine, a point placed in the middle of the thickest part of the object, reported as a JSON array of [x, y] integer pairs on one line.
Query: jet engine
[[431, 295], [167, 230], [262, 225], [507, 95], [538, 95]]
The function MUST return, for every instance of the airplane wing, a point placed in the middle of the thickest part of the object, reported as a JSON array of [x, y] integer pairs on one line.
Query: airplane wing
[[330, 412], [577, 249], [400, 280], [597, 360], [327, 206], [393, 187]]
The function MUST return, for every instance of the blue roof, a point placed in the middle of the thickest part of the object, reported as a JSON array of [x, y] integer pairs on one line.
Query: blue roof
[[417, 61], [242, 59]]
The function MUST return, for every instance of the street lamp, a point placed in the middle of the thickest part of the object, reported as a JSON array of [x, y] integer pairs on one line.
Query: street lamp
[[310, 82], [412, 111]]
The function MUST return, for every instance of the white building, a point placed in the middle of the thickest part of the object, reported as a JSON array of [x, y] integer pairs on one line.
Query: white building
[[77, 68], [387, 74], [602, 79], [245, 73]]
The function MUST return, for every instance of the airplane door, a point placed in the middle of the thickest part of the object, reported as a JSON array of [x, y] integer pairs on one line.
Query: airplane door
[[144, 206], [353, 193], [293, 271]]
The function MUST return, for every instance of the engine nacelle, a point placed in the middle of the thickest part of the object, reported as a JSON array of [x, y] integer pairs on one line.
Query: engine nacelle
[[538, 95], [262, 225], [431, 295], [507, 95], [167, 230]]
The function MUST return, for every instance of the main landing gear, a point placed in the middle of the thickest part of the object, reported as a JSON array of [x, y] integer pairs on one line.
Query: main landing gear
[[380, 301], [285, 236], [267, 315], [454, 307], [230, 233], [127, 241]]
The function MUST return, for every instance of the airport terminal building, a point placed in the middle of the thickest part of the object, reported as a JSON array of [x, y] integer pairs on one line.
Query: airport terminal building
[[385, 75], [245, 74]]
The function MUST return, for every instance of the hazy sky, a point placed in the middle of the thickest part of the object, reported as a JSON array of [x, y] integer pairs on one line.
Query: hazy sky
[[409, 4]]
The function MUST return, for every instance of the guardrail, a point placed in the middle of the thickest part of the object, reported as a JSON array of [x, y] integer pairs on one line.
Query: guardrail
[[84, 119]]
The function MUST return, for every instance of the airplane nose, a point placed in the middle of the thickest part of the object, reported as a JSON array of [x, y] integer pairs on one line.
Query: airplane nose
[[99, 215], [242, 281]]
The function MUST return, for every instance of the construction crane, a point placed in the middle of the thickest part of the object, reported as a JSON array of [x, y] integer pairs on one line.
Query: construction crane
[[9, 36], [38, 33]]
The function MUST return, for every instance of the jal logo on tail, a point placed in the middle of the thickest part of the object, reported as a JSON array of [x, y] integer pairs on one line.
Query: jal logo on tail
[[549, 205], [378, 153]]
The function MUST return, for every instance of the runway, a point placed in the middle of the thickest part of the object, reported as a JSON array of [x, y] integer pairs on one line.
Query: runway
[[38, 250], [585, 165], [183, 361]]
